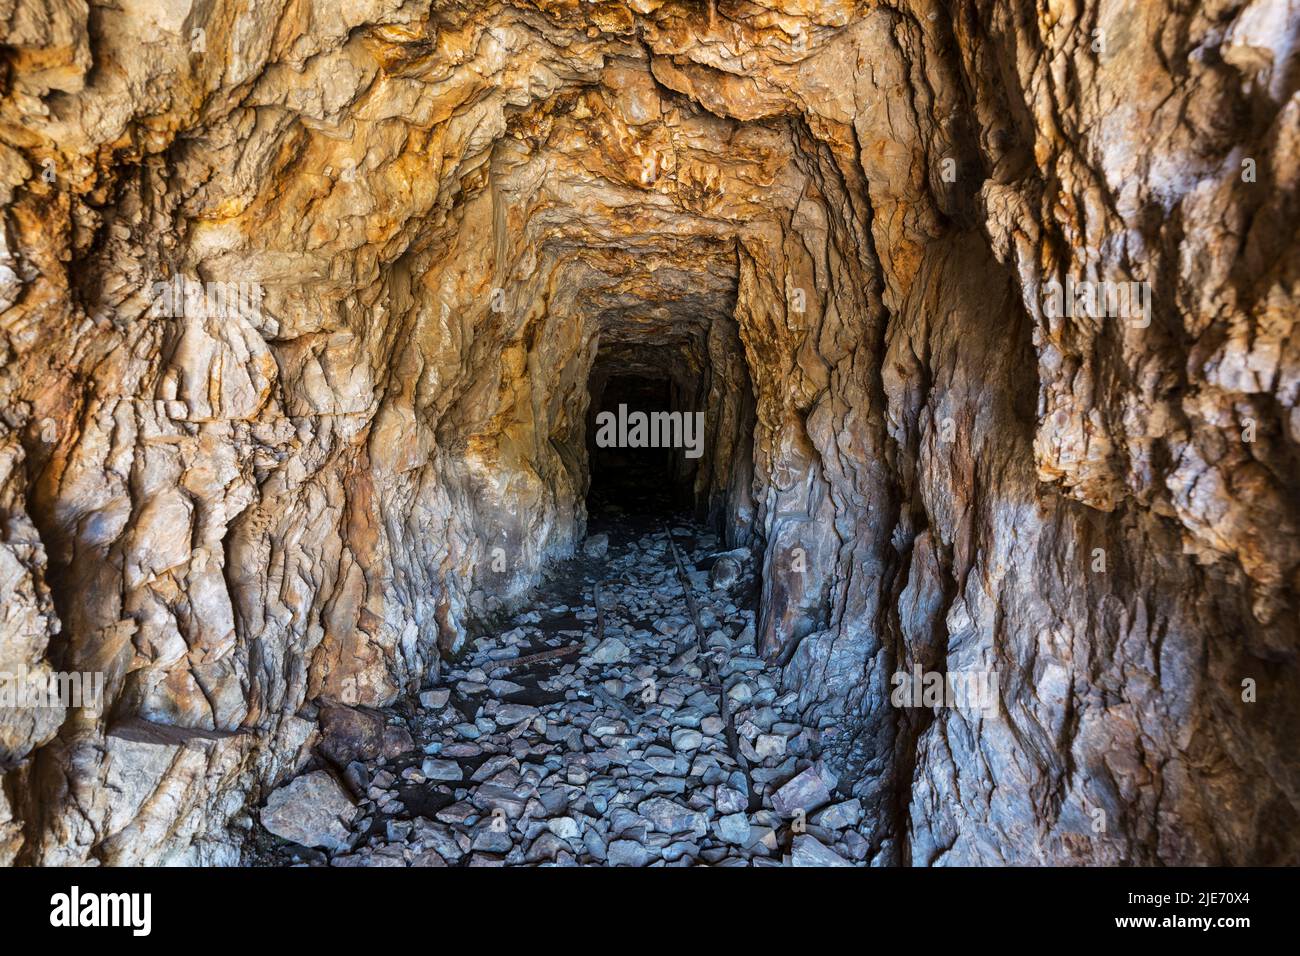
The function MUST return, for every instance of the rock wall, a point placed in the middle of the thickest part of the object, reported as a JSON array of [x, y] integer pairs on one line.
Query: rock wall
[[301, 301]]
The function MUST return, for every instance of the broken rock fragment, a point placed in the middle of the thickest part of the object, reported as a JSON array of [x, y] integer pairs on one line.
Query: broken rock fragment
[[805, 792], [312, 810]]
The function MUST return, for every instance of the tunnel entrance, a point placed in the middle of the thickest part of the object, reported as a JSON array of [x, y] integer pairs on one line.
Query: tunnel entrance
[[629, 476], [678, 409]]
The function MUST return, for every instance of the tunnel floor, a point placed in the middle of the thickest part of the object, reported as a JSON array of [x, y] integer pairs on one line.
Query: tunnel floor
[[572, 736], [626, 498]]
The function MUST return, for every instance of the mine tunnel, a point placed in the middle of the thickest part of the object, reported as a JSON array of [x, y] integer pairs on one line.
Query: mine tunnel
[[660, 431], [632, 481], [322, 365]]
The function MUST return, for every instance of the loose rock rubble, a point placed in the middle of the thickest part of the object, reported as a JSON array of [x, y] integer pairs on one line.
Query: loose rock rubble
[[615, 754]]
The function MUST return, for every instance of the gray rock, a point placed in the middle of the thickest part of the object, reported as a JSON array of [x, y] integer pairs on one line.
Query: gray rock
[[442, 839], [494, 765], [462, 750], [509, 714], [680, 850], [390, 855], [728, 800], [546, 847], [492, 839], [806, 792], [724, 573], [809, 851], [669, 817], [435, 699], [441, 769], [629, 853], [566, 828], [312, 810], [686, 739], [733, 828], [610, 651], [839, 815], [492, 796], [594, 844]]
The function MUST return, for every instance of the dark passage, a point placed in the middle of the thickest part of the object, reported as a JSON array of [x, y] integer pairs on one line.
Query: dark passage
[[631, 481]]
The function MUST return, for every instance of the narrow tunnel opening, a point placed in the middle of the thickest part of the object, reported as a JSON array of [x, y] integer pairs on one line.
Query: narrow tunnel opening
[[635, 437], [677, 404]]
